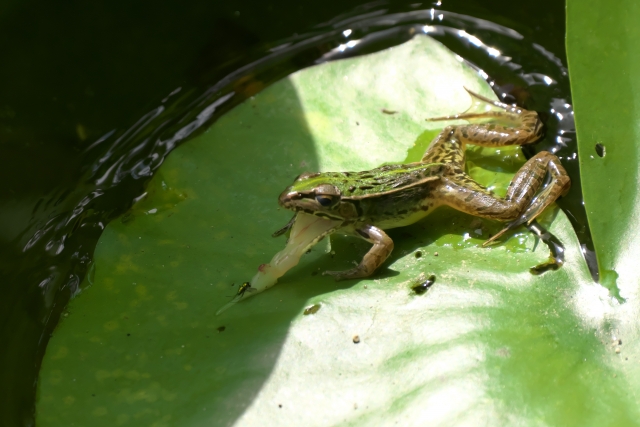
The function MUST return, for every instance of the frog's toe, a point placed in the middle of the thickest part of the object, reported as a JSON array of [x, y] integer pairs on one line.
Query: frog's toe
[[492, 240], [509, 227]]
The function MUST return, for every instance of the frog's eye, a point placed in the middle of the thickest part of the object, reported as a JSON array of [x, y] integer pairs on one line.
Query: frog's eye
[[327, 195], [325, 201]]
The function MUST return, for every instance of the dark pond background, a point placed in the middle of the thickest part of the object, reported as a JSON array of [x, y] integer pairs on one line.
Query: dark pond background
[[89, 101]]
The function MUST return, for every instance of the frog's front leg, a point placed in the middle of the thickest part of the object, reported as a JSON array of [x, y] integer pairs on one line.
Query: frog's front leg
[[379, 252], [286, 228]]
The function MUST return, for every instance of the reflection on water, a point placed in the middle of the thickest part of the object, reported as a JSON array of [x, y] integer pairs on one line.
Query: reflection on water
[[62, 229]]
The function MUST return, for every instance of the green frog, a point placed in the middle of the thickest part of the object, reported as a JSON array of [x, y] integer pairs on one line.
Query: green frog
[[364, 204]]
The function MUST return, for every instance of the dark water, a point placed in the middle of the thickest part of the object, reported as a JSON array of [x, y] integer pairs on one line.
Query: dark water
[[96, 94]]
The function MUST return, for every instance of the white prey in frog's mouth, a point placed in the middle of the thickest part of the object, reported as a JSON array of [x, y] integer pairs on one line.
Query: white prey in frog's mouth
[[307, 230]]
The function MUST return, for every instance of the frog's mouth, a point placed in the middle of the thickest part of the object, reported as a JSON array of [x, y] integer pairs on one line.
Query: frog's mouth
[[287, 198], [297, 202]]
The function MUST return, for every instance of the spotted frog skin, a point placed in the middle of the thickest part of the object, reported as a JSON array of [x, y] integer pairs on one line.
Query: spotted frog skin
[[368, 202]]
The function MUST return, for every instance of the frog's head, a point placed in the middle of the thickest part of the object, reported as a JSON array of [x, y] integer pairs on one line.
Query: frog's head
[[313, 193]]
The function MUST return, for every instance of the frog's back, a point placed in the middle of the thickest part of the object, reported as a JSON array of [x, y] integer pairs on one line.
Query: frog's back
[[374, 182], [406, 196]]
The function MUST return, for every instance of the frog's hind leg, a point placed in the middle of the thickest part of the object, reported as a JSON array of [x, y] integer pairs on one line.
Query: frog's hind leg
[[482, 107], [522, 126], [447, 149], [526, 183], [522, 203]]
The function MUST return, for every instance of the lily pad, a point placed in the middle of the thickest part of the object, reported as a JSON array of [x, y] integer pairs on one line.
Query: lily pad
[[602, 62], [488, 343]]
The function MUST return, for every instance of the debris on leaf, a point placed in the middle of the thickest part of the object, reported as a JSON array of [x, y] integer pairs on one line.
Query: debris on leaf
[[424, 284], [312, 309]]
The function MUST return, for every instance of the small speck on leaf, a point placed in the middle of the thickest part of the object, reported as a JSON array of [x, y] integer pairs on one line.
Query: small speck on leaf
[[221, 328], [312, 309], [424, 285]]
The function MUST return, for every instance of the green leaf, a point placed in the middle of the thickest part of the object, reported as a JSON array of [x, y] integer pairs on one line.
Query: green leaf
[[601, 45], [489, 343]]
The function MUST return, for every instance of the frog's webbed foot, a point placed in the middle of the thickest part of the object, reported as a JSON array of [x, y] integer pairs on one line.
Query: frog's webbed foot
[[481, 108], [528, 219], [286, 228], [379, 252], [556, 249], [513, 125]]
